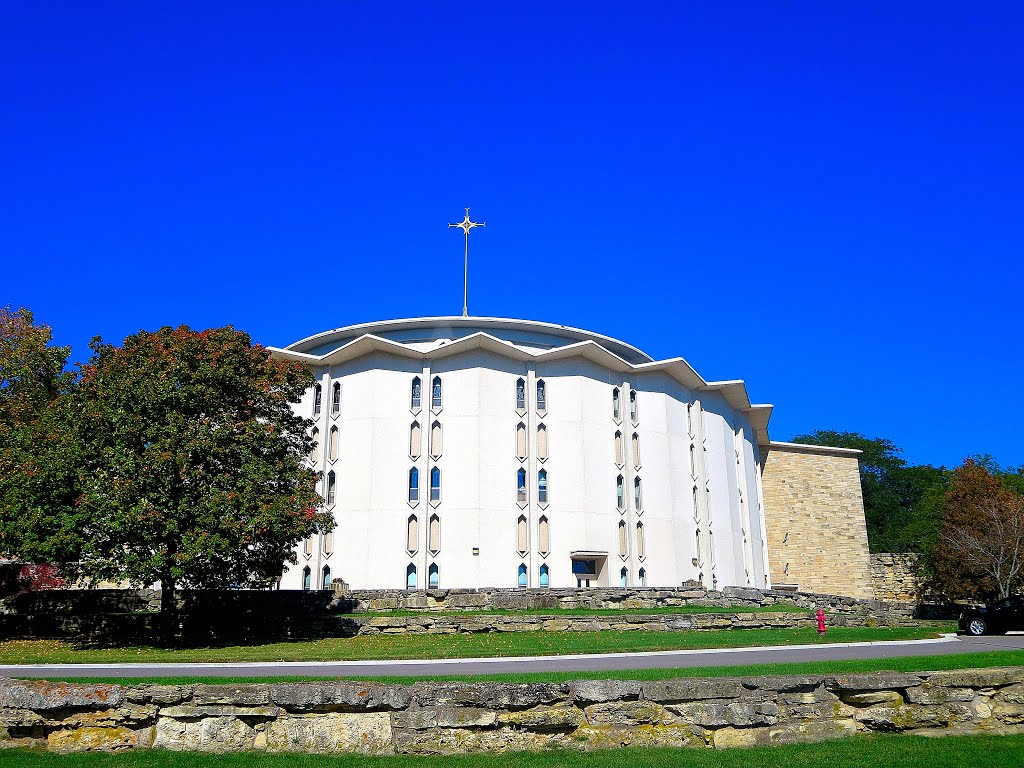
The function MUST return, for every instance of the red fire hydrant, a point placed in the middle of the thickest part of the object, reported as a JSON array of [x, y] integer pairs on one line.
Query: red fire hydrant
[[820, 616]]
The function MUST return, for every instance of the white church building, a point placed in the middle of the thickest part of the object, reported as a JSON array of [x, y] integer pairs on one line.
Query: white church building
[[489, 452]]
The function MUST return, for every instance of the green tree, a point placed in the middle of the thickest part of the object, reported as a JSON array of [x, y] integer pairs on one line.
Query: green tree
[[39, 455], [899, 500], [193, 470], [980, 552]]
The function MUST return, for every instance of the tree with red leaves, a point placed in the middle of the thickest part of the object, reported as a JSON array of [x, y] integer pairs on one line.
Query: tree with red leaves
[[981, 546]]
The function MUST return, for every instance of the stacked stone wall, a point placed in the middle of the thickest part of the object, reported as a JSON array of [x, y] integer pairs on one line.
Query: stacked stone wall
[[449, 718], [814, 516], [117, 616], [896, 577]]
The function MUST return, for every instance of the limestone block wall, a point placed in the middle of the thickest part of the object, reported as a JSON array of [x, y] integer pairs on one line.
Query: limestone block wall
[[434, 718], [896, 577], [814, 515]]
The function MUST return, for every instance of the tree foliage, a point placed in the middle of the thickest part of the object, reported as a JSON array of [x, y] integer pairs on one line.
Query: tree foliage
[[980, 552], [39, 456], [194, 460], [173, 459]]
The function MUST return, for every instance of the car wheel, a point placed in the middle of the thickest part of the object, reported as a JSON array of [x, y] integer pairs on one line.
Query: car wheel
[[977, 627]]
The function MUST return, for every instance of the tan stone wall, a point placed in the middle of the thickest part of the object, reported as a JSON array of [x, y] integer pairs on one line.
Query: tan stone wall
[[814, 515], [895, 577]]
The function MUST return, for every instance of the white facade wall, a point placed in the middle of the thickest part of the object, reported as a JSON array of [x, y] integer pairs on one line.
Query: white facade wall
[[478, 509]]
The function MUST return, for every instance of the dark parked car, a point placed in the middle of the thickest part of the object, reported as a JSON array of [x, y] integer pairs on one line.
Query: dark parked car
[[996, 619]]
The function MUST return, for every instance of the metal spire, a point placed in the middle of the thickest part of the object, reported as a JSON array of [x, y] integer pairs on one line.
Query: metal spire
[[465, 225]]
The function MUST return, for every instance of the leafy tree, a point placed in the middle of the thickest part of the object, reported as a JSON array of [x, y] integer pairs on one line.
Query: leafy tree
[[981, 548], [193, 470], [900, 501], [38, 451]]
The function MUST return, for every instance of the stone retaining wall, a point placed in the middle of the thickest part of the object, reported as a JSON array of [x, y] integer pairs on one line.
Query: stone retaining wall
[[129, 616], [896, 577], [449, 718]]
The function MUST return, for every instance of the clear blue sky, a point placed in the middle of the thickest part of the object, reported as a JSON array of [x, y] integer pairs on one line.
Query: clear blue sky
[[822, 199]]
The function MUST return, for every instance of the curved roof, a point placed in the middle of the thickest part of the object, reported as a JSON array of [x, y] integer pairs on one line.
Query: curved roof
[[423, 330], [437, 337]]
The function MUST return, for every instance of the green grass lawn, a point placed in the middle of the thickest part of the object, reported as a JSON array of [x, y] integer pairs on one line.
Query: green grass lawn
[[861, 751], [899, 664], [454, 646]]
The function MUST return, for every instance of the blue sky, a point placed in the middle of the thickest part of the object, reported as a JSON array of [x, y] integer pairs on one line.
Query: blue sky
[[824, 200]]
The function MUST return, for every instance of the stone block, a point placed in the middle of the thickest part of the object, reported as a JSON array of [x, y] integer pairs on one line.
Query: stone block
[[792, 733], [592, 737], [305, 697], [91, 739], [1012, 694], [873, 681], [604, 690], [159, 694], [870, 698], [368, 733], [544, 717], [42, 696], [493, 695], [210, 734], [727, 738], [977, 678], [444, 717], [240, 695], [628, 713], [934, 694], [691, 689]]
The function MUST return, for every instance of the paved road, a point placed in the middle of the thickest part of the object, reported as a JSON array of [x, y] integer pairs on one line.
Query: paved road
[[583, 663]]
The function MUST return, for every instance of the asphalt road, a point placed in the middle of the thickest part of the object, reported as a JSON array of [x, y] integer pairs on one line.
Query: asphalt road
[[583, 663]]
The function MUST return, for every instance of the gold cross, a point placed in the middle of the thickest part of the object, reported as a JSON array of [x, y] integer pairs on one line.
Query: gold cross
[[465, 225]]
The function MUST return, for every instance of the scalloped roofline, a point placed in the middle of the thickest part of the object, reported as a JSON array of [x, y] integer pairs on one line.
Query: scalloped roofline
[[733, 391], [503, 323]]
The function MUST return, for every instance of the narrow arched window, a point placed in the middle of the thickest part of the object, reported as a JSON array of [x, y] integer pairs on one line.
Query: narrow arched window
[[410, 577], [434, 535], [314, 454], [307, 578], [307, 546], [332, 444], [325, 578], [522, 579], [329, 543], [544, 576], [542, 395], [622, 538], [542, 487], [433, 576], [435, 393], [332, 481], [336, 398], [318, 395], [620, 493], [636, 450], [618, 449], [414, 402], [616, 404], [542, 442], [522, 535], [412, 534], [641, 543], [642, 577], [520, 395], [623, 578], [521, 486], [638, 499], [414, 484], [521, 441], [695, 511], [543, 536], [414, 440], [693, 460], [634, 414], [435, 484], [435, 439]]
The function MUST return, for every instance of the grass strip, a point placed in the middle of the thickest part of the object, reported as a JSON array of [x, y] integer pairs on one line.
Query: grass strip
[[875, 751], [848, 666], [447, 646]]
